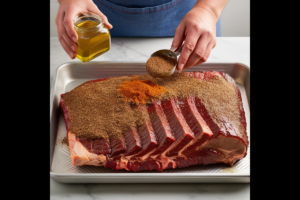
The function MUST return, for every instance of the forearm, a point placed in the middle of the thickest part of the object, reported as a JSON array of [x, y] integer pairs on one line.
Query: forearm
[[214, 7]]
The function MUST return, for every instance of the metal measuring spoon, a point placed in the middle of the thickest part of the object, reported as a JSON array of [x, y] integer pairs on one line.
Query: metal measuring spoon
[[171, 54]]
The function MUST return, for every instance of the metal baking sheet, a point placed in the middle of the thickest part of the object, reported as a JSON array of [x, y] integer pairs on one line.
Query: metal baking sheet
[[70, 75]]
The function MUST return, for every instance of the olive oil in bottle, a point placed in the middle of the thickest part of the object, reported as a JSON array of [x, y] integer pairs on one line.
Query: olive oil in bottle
[[93, 36]]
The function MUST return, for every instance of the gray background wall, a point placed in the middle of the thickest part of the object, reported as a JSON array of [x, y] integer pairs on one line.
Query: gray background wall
[[235, 18]]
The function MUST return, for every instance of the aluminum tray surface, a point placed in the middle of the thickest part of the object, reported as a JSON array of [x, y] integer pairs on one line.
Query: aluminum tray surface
[[70, 75]]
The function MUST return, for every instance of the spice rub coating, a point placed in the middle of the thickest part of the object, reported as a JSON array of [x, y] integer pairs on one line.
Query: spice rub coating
[[99, 110], [216, 93]]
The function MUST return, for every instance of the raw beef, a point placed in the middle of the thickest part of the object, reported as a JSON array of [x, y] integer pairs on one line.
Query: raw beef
[[180, 133]]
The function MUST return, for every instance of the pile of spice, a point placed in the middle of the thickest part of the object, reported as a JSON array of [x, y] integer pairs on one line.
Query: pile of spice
[[158, 65], [65, 141], [140, 91], [100, 109]]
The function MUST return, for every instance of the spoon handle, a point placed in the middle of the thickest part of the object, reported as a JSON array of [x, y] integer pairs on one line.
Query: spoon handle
[[178, 52]]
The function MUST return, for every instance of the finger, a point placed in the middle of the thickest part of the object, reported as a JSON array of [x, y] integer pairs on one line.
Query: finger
[[104, 18], [66, 37], [67, 49], [68, 24], [188, 47], [178, 38], [206, 55], [198, 52], [58, 21]]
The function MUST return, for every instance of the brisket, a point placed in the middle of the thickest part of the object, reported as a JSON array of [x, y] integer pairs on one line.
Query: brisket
[[179, 133]]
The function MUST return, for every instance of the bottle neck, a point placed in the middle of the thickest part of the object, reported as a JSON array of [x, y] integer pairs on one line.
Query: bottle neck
[[87, 22]]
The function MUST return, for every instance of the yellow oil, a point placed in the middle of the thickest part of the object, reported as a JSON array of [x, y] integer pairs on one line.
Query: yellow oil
[[92, 44]]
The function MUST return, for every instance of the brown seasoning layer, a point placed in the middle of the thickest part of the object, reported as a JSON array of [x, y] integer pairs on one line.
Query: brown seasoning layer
[[98, 110]]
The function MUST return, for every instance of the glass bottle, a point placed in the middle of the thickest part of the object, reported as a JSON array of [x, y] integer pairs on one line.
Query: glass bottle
[[93, 36]]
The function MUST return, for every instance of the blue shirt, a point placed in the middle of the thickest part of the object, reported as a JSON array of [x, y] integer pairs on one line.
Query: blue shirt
[[146, 18]]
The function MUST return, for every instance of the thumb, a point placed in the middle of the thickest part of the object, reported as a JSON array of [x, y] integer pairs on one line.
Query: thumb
[[104, 18]]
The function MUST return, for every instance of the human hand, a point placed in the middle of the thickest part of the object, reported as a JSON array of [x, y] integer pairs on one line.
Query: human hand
[[198, 31], [67, 11]]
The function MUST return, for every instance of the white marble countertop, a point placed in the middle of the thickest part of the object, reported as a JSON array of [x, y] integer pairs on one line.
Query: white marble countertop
[[228, 50]]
